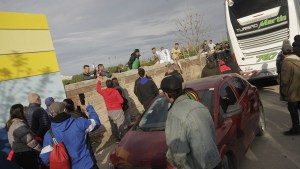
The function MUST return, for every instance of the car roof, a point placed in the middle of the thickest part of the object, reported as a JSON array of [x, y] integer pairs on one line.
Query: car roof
[[209, 82]]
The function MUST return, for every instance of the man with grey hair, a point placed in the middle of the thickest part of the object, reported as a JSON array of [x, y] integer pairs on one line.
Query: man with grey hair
[[37, 118], [72, 132]]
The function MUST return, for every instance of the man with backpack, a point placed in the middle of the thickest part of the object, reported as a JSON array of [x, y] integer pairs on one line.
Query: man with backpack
[[70, 134]]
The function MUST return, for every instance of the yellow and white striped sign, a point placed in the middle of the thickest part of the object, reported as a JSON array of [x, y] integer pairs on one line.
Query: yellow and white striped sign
[[25, 41]]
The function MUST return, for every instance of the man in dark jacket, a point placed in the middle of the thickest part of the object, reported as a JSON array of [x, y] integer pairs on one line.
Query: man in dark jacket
[[37, 117], [103, 72], [145, 89], [86, 75], [134, 55], [296, 45], [72, 132], [211, 68], [171, 71], [290, 86]]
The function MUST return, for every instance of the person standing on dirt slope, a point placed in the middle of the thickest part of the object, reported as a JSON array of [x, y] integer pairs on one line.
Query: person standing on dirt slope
[[134, 61], [145, 89], [290, 86], [176, 53], [103, 72], [162, 58]]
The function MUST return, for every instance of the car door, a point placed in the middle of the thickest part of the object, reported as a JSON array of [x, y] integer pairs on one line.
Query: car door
[[227, 130], [247, 118]]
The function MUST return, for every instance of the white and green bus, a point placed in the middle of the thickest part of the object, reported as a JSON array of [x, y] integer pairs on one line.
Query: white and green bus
[[256, 30]]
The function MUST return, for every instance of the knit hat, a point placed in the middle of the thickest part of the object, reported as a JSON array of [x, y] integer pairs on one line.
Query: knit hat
[[57, 107], [49, 101], [287, 47]]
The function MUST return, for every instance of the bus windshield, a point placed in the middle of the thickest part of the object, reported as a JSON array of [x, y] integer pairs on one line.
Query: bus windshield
[[243, 8]]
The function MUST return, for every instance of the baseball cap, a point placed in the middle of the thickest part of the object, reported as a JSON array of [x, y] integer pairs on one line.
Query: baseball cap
[[171, 84], [49, 101], [57, 107]]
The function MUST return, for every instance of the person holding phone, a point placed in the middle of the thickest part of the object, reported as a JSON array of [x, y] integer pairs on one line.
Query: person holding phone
[[86, 75]]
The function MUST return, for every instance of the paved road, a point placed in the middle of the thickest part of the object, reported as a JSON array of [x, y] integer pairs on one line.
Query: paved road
[[271, 151]]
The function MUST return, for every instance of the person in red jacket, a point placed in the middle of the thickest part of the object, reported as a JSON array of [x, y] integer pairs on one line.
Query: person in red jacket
[[113, 101], [224, 68]]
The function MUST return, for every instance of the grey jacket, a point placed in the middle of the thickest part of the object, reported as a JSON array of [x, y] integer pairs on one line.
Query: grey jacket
[[20, 138], [190, 135]]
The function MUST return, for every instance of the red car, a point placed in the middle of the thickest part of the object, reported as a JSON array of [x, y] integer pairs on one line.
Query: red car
[[235, 107]]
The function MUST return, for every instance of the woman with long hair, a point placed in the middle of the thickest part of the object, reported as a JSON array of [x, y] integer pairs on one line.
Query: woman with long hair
[[24, 146]]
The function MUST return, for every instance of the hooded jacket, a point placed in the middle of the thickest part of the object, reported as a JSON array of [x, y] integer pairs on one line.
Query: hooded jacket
[[210, 69], [290, 79], [65, 129], [296, 45], [111, 96], [145, 90]]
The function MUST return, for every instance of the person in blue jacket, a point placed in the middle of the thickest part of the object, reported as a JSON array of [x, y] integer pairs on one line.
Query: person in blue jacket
[[65, 129]]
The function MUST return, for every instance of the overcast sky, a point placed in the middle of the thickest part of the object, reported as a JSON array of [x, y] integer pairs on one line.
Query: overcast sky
[[92, 31]]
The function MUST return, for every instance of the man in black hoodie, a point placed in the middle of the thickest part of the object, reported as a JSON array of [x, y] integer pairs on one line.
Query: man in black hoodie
[[145, 89], [296, 45], [211, 68]]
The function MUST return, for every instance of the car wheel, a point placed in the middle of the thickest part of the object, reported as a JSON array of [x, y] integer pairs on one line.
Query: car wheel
[[227, 162], [262, 122]]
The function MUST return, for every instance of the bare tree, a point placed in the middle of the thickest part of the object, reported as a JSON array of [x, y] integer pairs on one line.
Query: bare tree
[[192, 30]]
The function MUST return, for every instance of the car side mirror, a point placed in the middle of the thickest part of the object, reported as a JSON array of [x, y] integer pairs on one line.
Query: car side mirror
[[233, 110]]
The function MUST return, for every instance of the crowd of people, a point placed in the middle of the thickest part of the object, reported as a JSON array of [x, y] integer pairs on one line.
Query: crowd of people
[[34, 132]]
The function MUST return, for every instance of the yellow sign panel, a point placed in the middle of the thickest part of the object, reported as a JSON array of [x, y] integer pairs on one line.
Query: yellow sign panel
[[12, 20], [24, 41], [16, 66], [26, 47]]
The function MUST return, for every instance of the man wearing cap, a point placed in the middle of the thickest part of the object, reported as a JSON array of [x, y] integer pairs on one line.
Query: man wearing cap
[[145, 89], [190, 131], [172, 72], [290, 86], [48, 102], [72, 132]]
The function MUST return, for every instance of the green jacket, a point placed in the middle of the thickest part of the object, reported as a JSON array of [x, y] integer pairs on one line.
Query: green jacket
[[290, 79]]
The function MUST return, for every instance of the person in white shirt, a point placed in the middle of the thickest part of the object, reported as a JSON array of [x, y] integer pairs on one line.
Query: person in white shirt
[[167, 54], [160, 55], [211, 46]]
